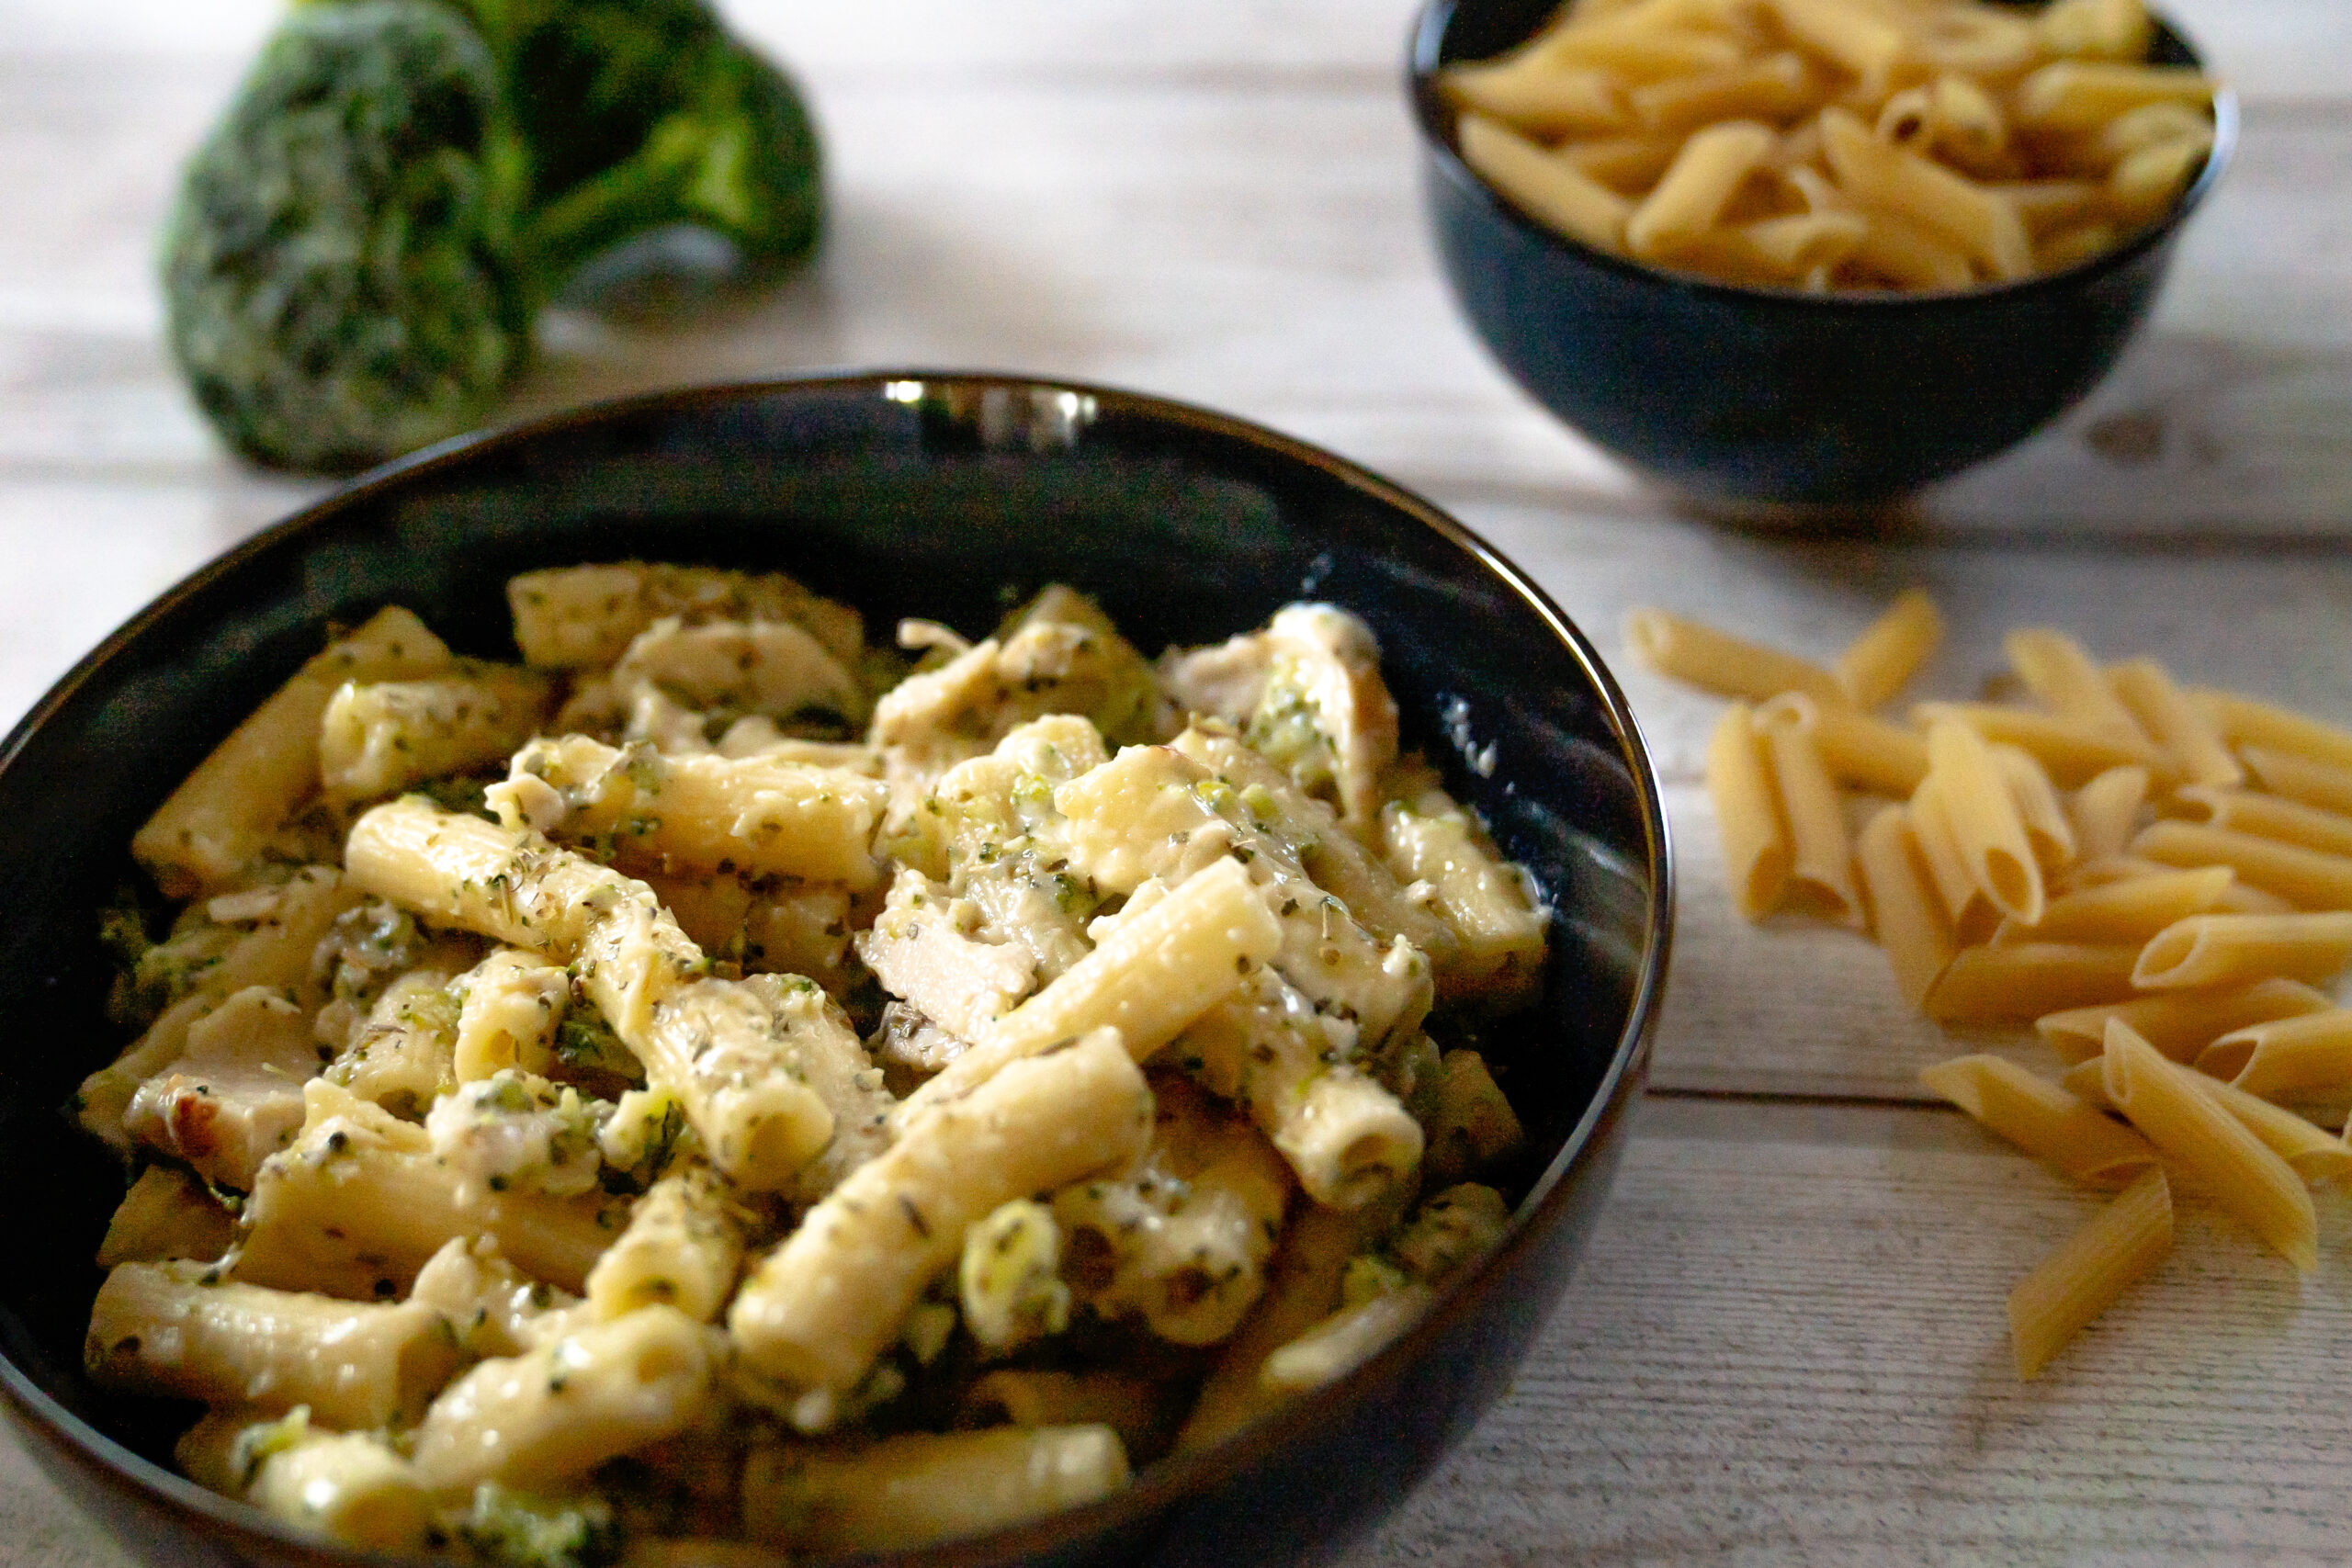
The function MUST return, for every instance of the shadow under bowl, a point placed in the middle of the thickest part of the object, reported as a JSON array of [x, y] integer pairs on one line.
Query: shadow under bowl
[[911, 493], [1733, 393]]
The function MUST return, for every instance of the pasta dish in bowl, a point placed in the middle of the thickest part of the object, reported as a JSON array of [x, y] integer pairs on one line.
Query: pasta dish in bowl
[[624, 1059]]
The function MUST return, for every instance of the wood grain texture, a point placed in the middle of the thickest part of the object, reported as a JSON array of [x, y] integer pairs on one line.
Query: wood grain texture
[[1787, 1346]]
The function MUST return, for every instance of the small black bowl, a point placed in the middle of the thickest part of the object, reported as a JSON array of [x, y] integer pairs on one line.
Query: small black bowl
[[911, 493], [1733, 393]]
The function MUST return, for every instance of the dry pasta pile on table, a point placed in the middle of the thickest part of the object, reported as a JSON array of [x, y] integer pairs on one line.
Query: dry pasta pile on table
[[2158, 880], [1839, 143], [716, 1078]]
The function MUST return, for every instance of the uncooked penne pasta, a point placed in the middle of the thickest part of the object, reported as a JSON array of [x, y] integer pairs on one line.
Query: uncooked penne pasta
[[1762, 89], [2055, 669], [1986, 825], [2315, 1154], [1510, 97], [2123, 912], [2090, 1273], [2162, 1099], [2081, 94], [1758, 854], [2243, 722], [1974, 915], [2179, 1024], [2299, 779], [2304, 1057], [1695, 652], [2018, 983], [1691, 197], [2106, 811], [2045, 1121], [2047, 827], [1821, 859], [1877, 663], [1907, 914], [2305, 878], [2216, 949], [1560, 195], [1928, 194], [2190, 742], [1857, 749], [2265, 816], [2071, 752]]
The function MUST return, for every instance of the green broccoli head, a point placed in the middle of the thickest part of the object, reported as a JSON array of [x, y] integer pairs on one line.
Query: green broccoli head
[[339, 270], [517, 1529]]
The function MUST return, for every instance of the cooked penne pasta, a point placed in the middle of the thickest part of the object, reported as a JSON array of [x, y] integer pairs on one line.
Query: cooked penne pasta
[[2042, 1118], [2192, 747], [1692, 651], [2018, 983], [908, 1491], [2179, 1024], [682, 1248], [1907, 914], [2218, 950], [2090, 1273], [1758, 854], [1882, 660], [2162, 1100], [2305, 1057], [1986, 827], [1821, 859]]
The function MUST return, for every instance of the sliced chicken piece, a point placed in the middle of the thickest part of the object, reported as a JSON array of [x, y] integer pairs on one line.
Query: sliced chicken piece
[[235, 1098], [923, 951]]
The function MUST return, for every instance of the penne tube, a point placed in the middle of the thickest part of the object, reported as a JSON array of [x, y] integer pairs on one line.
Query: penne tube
[[2050, 205], [2180, 1024], [1862, 38], [2072, 753], [2237, 897], [1909, 255], [1877, 663], [1858, 749], [2191, 745], [1758, 854], [2055, 669], [1821, 859], [2096, 29], [2018, 983], [1973, 917], [2090, 1273], [2298, 778], [1532, 101], [2300, 1058], [682, 1248], [1770, 88], [2123, 912], [2305, 878], [2106, 811], [1969, 215], [2265, 816], [2260, 1189], [1011, 1397], [2315, 1154], [2045, 1121], [1690, 198], [2087, 1081], [1695, 652], [2244, 722], [1554, 192], [1908, 915], [2213, 949], [908, 1491], [1622, 162], [2047, 827], [2073, 244], [1986, 825], [2081, 94]]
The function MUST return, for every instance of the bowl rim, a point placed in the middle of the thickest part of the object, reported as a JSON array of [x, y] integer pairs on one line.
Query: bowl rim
[[1435, 121], [1168, 1481]]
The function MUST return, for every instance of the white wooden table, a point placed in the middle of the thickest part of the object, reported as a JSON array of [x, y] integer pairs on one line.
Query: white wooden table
[[1787, 1343]]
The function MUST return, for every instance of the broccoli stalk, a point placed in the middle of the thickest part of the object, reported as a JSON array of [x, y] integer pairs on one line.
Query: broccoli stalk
[[361, 244]]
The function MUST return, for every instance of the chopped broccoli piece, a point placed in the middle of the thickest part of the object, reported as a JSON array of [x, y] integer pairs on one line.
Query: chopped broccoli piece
[[361, 244], [524, 1531]]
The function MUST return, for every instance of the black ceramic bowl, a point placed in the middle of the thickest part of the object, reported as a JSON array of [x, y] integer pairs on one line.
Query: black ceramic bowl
[[1735, 393], [941, 496]]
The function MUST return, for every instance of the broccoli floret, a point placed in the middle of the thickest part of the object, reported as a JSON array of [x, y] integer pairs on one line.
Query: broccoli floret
[[362, 244], [522, 1531], [339, 269]]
